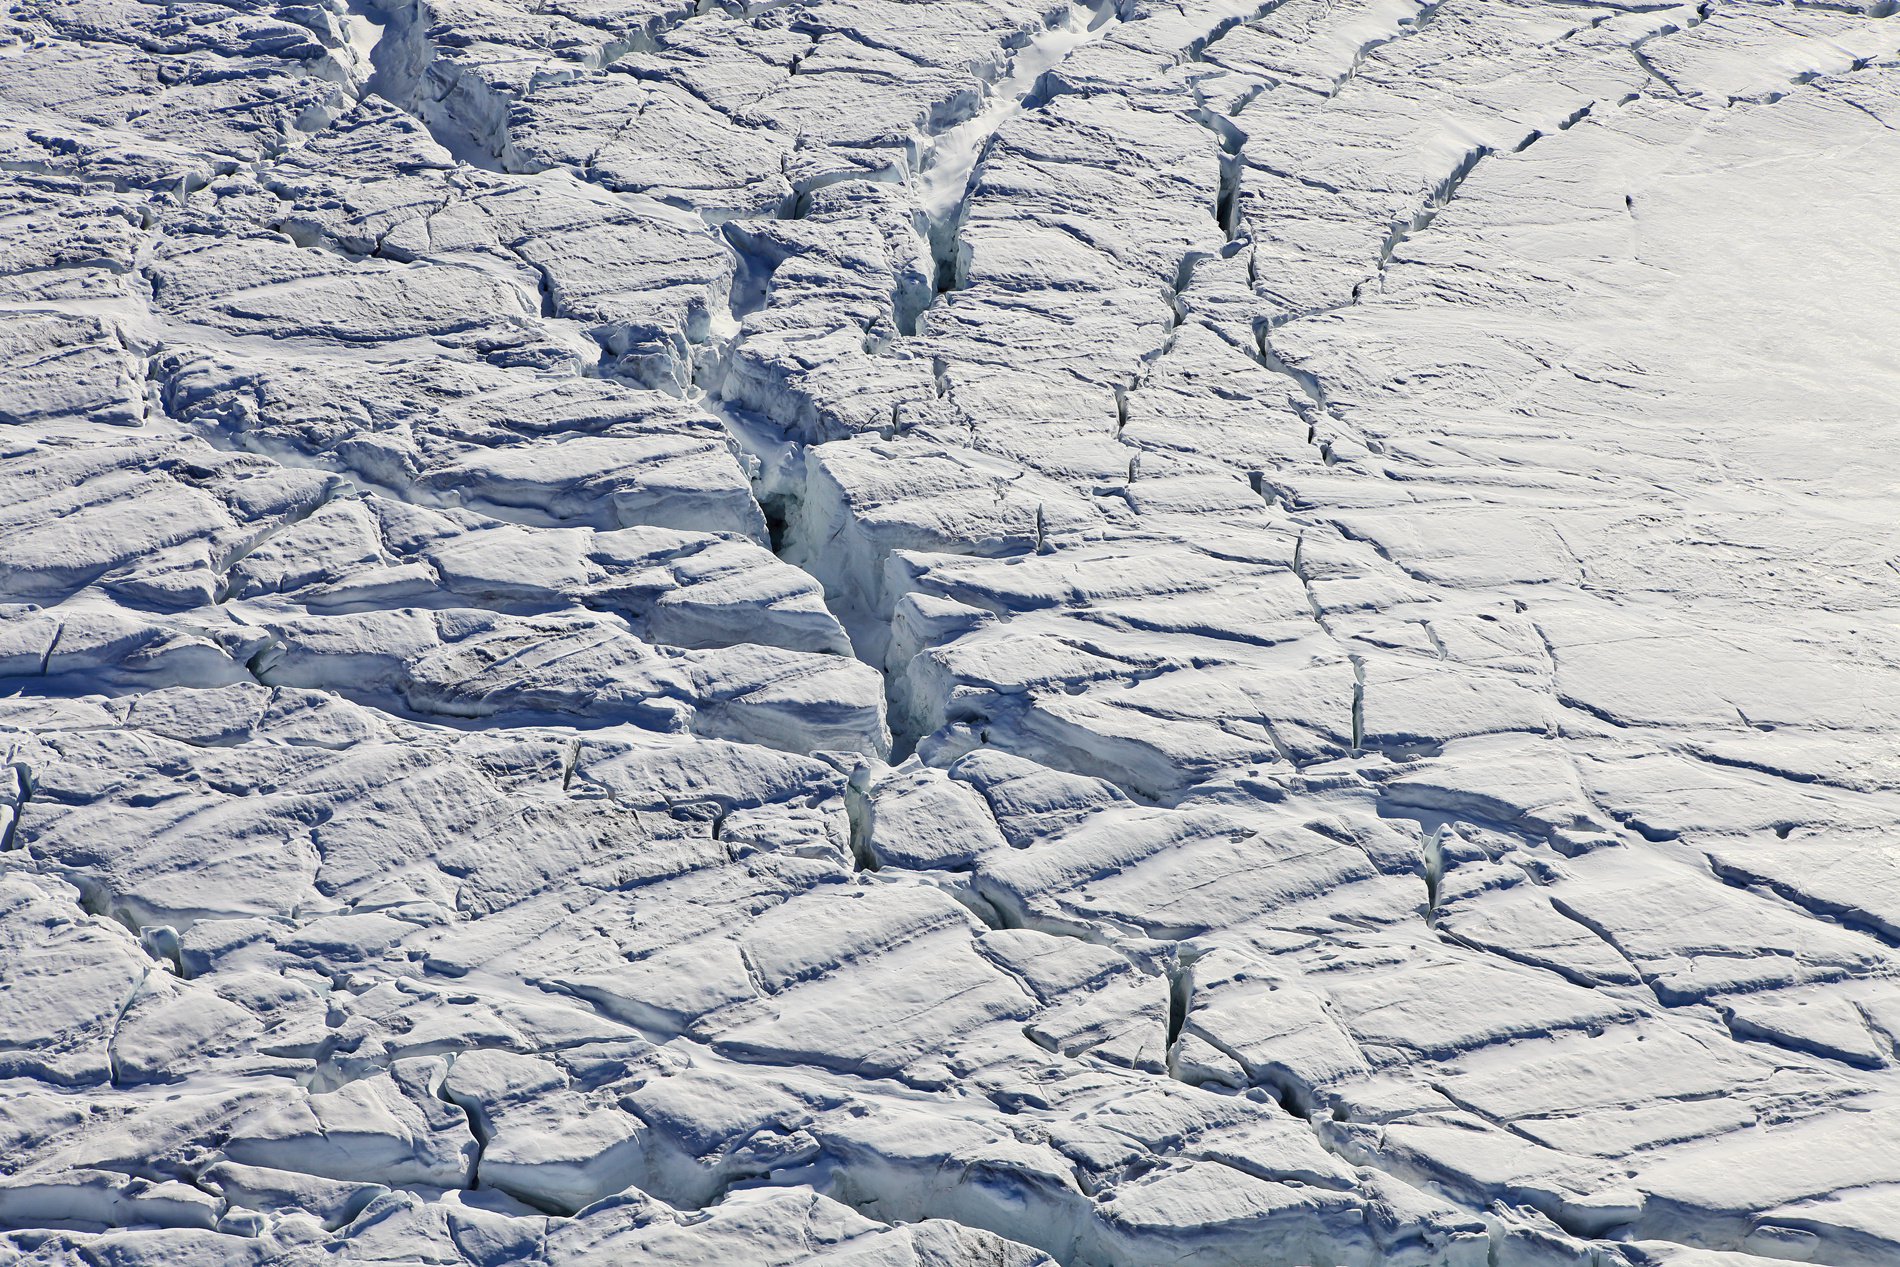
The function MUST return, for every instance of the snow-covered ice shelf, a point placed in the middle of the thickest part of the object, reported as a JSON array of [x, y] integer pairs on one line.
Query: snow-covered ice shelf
[[854, 632]]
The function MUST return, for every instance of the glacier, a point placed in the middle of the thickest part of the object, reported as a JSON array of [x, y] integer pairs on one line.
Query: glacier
[[869, 633]]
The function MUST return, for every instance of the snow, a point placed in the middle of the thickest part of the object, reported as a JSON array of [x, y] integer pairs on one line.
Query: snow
[[945, 635]]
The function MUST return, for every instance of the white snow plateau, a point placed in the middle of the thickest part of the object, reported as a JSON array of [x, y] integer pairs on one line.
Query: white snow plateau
[[949, 633]]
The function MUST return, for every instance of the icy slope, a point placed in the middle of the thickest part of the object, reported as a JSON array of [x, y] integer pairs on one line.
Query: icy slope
[[949, 635]]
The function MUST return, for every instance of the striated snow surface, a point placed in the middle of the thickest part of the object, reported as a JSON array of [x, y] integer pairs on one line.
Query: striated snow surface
[[869, 633]]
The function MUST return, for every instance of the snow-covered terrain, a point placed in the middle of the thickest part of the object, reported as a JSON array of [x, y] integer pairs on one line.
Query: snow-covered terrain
[[871, 633]]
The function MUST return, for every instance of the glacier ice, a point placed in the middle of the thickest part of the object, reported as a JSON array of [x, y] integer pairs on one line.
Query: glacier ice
[[949, 635]]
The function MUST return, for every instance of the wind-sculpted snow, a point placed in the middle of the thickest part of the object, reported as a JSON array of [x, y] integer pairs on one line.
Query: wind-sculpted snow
[[949, 635]]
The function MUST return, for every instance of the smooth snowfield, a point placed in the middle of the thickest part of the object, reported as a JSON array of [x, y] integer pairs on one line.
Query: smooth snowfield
[[880, 634]]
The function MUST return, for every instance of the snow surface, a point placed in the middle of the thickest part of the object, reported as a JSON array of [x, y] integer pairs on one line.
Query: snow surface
[[949, 634]]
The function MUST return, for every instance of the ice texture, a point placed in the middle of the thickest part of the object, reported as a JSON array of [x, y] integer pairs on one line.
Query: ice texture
[[860, 633]]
